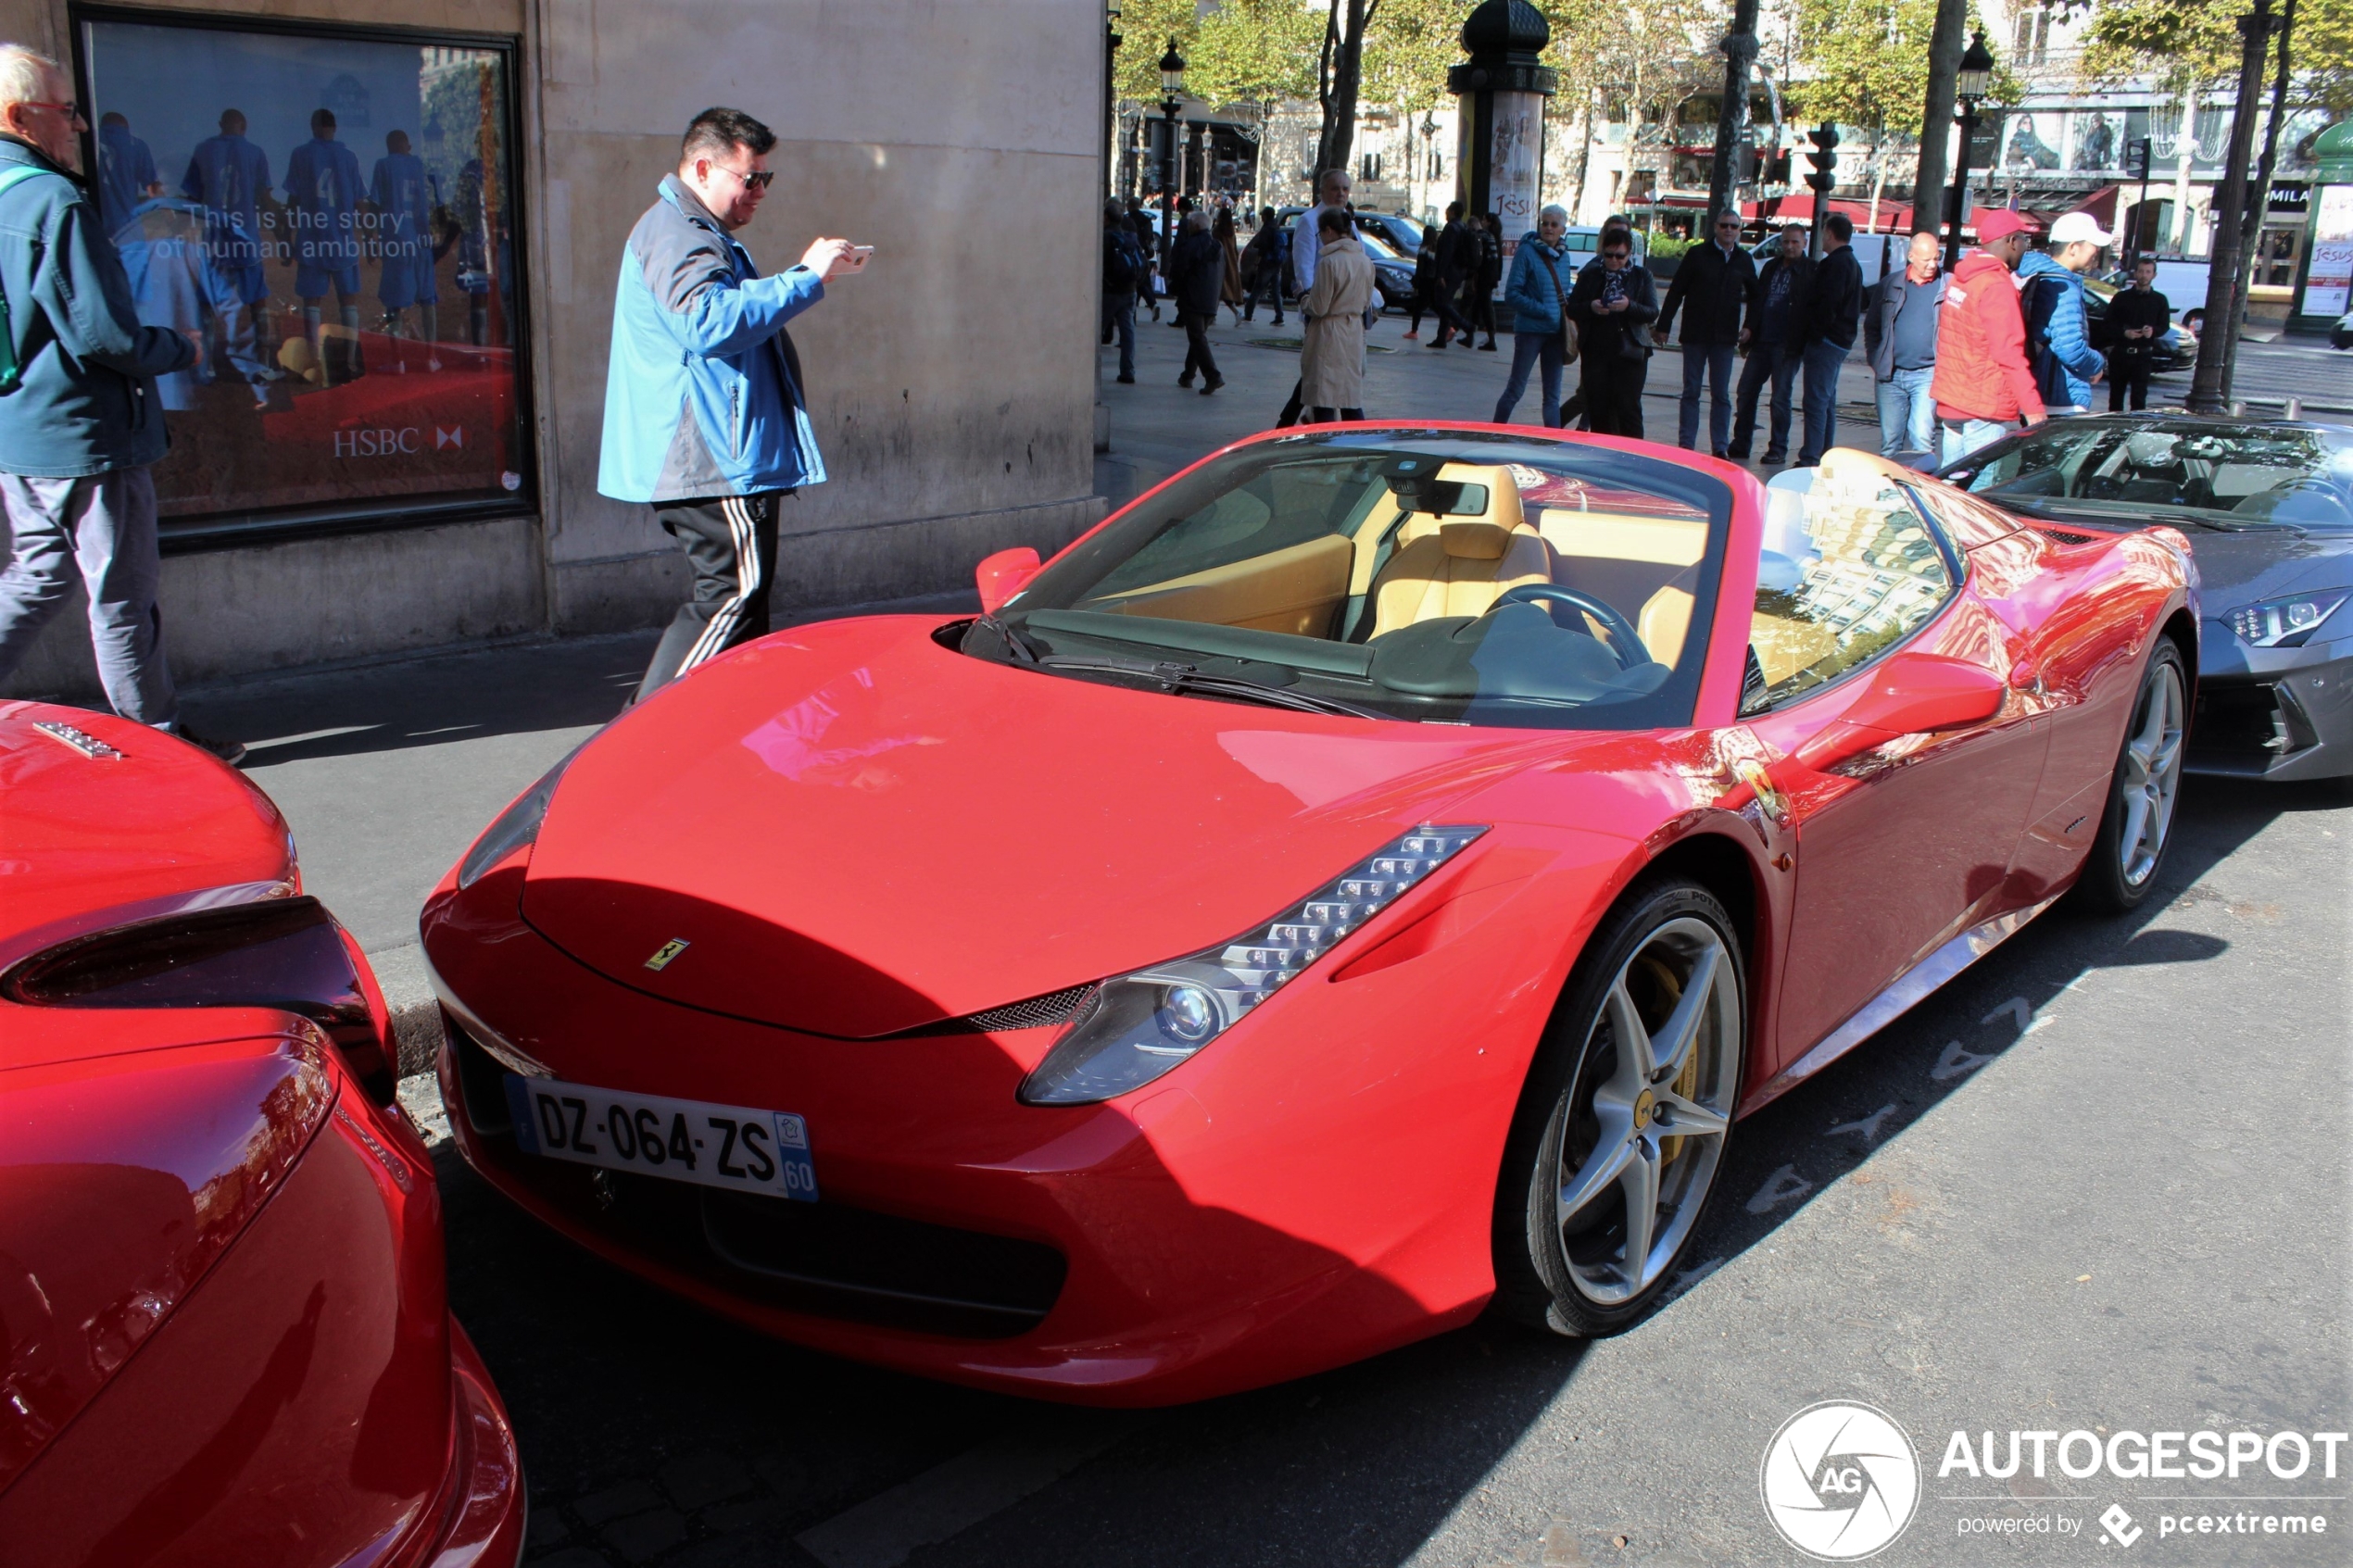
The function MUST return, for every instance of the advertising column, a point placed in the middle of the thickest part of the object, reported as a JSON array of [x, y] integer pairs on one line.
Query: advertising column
[[1517, 149], [2327, 290]]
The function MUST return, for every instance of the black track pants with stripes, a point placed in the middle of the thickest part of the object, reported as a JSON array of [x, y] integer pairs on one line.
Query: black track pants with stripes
[[731, 545]]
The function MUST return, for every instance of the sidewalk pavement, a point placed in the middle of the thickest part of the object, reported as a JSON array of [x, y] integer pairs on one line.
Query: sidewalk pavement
[[386, 771]]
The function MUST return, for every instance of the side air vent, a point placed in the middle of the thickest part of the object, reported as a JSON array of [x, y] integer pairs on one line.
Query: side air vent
[[2065, 536], [1037, 1013]]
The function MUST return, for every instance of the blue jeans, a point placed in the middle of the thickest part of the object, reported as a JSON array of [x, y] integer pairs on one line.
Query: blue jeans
[[1777, 362], [1119, 315], [1961, 437], [1714, 360], [1528, 349], [1822, 359], [1906, 413]]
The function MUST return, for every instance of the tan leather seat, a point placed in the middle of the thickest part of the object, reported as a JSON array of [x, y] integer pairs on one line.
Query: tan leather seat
[[1666, 620], [1461, 570]]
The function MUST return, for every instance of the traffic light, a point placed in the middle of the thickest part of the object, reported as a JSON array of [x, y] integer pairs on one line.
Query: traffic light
[[1743, 162], [1824, 157], [2136, 159]]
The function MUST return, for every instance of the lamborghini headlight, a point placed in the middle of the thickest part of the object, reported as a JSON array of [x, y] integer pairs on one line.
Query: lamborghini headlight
[[2285, 623], [1134, 1027]]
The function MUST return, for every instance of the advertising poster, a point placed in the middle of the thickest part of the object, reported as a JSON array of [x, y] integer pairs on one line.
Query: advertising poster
[[2328, 288], [1518, 150], [333, 217]]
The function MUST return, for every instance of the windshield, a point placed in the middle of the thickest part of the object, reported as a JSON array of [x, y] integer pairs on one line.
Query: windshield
[[2225, 474], [1433, 576]]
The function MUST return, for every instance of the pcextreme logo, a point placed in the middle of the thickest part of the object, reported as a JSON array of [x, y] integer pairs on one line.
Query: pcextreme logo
[[1840, 1481]]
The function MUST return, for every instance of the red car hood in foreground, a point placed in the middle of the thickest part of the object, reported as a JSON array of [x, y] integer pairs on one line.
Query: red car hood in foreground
[[855, 831]]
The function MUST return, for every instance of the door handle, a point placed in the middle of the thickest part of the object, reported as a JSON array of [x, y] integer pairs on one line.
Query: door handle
[[2026, 675]]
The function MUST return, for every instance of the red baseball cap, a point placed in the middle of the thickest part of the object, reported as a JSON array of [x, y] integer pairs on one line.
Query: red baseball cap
[[2001, 223]]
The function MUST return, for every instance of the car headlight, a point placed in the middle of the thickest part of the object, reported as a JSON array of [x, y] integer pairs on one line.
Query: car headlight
[[2284, 623], [516, 826], [1134, 1027]]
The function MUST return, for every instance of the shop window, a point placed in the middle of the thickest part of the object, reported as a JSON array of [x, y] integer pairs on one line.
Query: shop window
[[333, 212]]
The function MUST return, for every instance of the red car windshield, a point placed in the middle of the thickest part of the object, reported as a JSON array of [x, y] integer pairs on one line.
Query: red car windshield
[[1440, 576]]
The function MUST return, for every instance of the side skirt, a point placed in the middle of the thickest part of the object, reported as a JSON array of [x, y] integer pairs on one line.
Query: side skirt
[[1906, 991]]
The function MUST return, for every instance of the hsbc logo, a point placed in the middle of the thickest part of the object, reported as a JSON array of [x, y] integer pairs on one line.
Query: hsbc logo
[[387, 442]]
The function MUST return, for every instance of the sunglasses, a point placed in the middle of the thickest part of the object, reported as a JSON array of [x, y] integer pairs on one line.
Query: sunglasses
[[1614, 255], [758, 181]]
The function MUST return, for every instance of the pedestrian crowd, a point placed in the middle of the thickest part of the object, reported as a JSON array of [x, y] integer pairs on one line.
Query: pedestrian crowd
[[1956, 363]]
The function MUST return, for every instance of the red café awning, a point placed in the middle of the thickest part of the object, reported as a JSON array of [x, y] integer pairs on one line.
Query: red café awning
[[2101, 205], [1894, 217]]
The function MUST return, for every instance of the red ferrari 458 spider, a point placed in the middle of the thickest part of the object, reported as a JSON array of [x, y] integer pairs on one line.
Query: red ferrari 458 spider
[[1360, 882], [223, 1341]]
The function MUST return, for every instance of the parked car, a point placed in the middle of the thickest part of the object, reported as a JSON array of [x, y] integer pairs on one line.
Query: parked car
[[1400, 234], [2341, 336], [1392, 273], [2176, 348], [1029, 999], [224, 1333], [2268, 506]]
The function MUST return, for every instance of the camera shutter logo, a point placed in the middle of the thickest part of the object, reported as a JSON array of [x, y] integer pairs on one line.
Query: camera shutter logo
[[1840, 1481]]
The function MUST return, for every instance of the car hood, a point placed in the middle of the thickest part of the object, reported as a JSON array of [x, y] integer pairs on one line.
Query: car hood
[[855, 831], [2241, 568]]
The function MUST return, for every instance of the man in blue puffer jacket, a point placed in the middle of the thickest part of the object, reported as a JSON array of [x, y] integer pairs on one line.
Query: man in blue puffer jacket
[[80, 420], [705, 416], [2059, 336], [1540, 276]]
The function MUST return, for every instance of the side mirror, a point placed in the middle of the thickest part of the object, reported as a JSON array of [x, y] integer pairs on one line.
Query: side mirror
[[1002, 575], [1909, 694]]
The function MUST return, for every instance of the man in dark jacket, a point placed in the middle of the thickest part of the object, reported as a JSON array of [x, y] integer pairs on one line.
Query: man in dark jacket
[[1196, 279], [1457, 258], [83, 420], [1720, 279], [1825, 333], [2137, 317], [1124, 273], [1772, 346], [1899, 338]]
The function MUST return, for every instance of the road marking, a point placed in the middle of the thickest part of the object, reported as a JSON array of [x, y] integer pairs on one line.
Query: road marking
[[950, 1497], [310, 735], [1956, 1062], [2016, 1007], [1690, 1277], [1866, 1125], [1779, 1188]]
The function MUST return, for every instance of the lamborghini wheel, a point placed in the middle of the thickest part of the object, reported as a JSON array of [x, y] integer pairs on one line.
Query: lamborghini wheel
[[2137, 824], [1622, 1127]]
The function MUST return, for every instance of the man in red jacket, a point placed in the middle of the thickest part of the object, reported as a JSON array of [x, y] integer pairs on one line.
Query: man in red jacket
[[1983, 385]]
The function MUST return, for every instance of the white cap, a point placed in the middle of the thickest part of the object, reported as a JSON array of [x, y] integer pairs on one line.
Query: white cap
[[2073, 226]]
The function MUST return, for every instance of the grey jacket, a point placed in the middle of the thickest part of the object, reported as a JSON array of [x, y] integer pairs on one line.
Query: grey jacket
[[87, 401]]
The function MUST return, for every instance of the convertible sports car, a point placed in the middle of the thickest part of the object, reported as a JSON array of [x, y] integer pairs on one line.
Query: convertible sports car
[[1361, 881], [223, 1341]]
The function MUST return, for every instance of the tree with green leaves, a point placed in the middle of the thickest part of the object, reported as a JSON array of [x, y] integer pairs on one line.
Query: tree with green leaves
[[2193, 46]]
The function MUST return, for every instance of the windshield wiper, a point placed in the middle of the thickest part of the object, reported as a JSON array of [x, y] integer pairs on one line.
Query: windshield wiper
[[1173, 677], [2122, 511], [1019, 646]]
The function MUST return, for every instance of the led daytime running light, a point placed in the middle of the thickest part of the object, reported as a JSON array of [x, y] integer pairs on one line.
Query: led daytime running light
[[2284, 622], [1136, 1026]]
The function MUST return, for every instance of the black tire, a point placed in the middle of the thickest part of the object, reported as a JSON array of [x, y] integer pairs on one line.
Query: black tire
[[1557, 1273], [2108, 884]]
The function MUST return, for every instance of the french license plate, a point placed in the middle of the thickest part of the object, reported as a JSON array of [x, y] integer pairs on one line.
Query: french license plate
[[679, 1140]]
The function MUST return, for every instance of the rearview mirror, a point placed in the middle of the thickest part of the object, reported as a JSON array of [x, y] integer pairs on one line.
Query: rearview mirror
[[1909, 694], [1002, 575]]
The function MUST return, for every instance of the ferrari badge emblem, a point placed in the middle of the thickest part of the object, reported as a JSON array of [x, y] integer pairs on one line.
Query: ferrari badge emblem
[[1770, 800], [667, 952]]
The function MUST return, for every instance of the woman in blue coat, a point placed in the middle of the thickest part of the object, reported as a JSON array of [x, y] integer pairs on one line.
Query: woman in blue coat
[[1539, 286]]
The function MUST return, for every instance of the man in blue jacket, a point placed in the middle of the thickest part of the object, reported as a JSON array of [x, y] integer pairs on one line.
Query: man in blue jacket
[[2058, 335], [705, 415], [80, 416]]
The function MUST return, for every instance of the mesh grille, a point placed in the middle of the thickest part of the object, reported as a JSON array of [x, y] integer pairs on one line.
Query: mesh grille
[[2065, 536], [1056, 1007]]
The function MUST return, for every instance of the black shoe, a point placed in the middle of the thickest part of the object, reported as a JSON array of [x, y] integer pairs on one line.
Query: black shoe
[[1488, 348], [1437, 342], [1185, 380], [1211, 384], [1774, 457], [1129, 379], [229, 751], [1465, 342], [1737, 454]]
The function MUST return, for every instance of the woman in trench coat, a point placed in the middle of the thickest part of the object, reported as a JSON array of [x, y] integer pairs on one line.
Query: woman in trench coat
[[1331, 362]]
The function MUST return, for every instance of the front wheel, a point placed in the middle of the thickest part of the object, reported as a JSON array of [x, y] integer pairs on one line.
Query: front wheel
[[2137, 824], [1621, 1128]]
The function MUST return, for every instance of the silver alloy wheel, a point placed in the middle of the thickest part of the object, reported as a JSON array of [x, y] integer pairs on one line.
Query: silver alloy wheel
[[2152, 776], [1640, 1143]]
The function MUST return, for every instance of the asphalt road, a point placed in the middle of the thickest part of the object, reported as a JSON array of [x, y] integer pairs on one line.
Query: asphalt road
[[2099, 1183]]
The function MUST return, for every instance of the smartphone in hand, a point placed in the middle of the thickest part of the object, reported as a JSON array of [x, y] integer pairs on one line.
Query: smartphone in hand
[[859, 257]]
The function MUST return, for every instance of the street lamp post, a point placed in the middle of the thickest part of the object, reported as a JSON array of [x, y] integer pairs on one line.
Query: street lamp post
[[1974, 81], [1172, 84]]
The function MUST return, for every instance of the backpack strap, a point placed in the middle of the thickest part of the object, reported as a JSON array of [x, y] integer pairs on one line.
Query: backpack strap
[[11, 373]]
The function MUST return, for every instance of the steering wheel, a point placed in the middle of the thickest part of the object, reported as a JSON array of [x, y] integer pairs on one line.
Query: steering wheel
[[1624, 645]]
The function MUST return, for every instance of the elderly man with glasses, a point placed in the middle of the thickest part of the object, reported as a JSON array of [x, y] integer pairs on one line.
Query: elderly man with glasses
[[705, 413], [1719, 280], [82, 419]]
